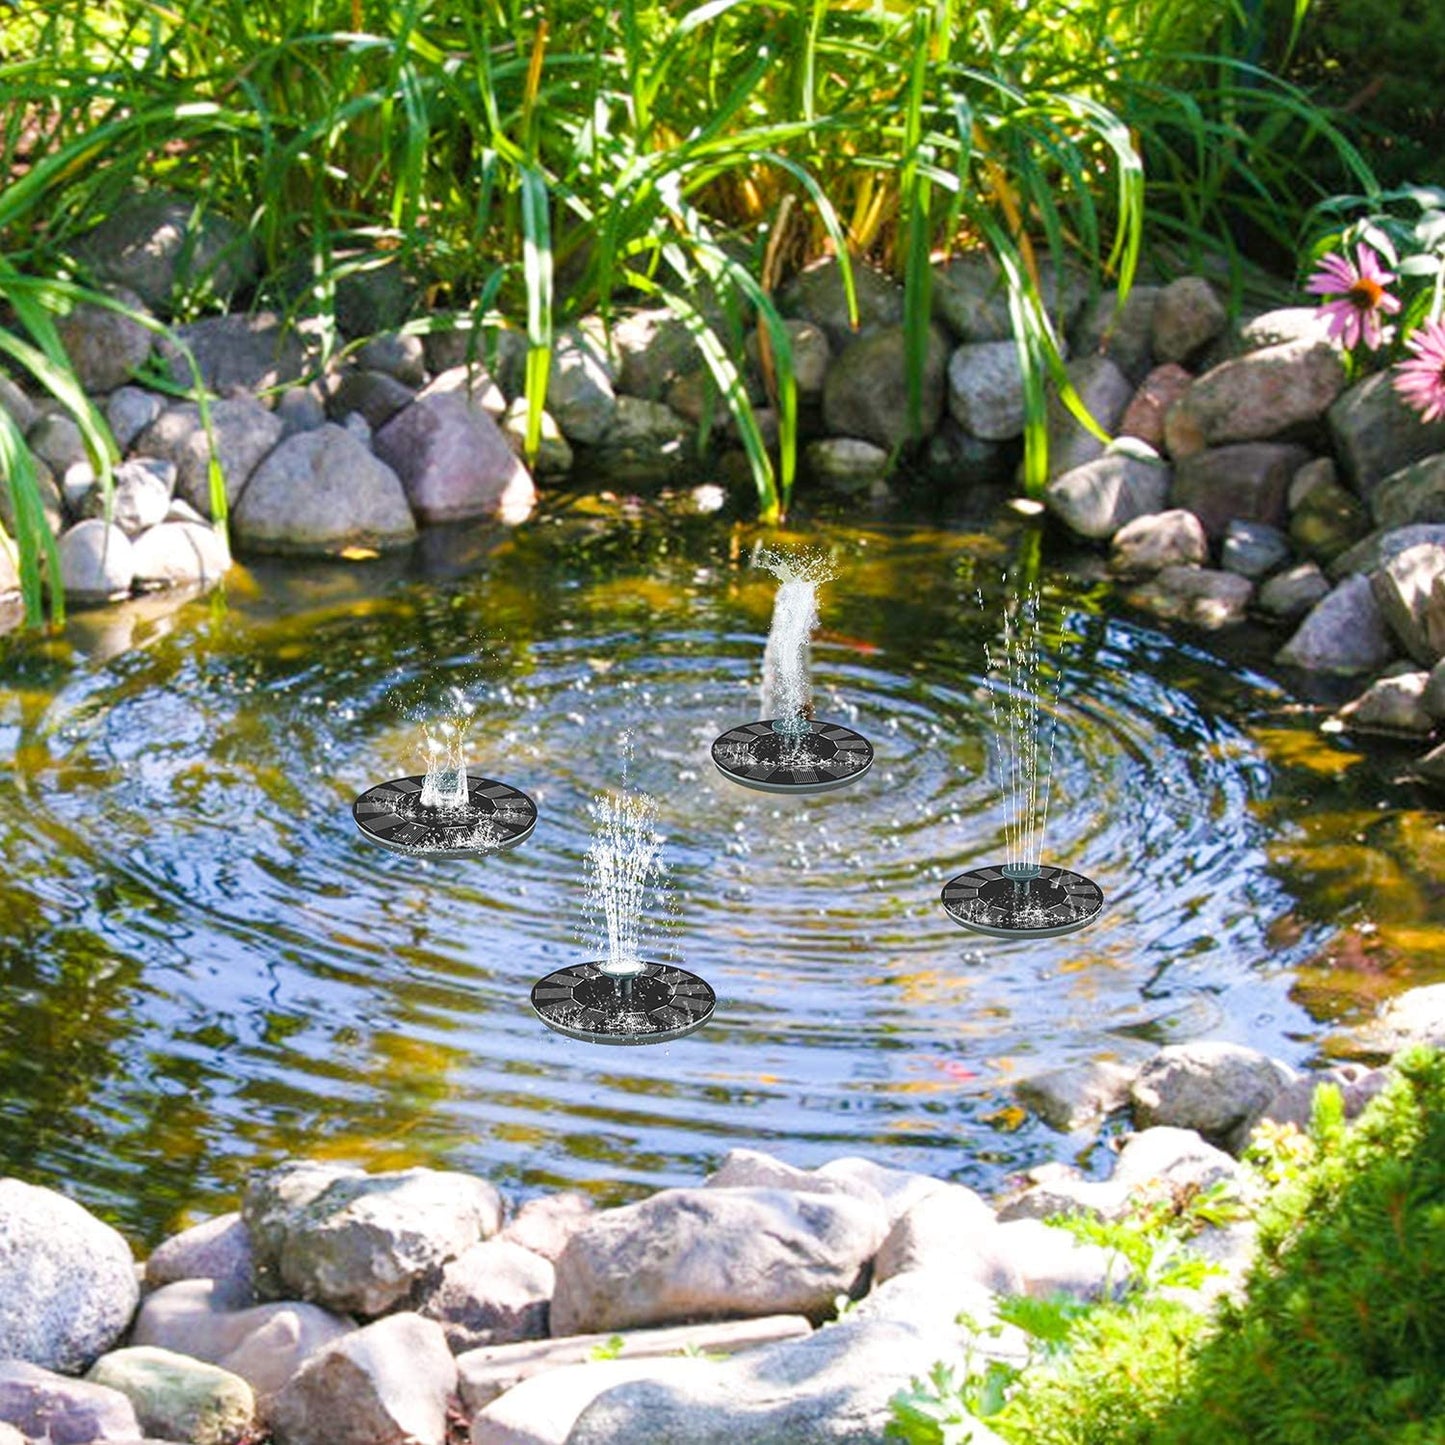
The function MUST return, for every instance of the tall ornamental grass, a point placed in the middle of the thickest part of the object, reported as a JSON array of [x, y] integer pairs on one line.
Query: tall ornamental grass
[[690, 154]]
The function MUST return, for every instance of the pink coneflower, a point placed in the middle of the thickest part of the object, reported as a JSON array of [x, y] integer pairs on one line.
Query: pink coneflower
[[1358, 287], [1421, 380]]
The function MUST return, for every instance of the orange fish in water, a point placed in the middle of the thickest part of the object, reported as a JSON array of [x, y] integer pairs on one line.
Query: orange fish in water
[[955, 1070], [855, 644]]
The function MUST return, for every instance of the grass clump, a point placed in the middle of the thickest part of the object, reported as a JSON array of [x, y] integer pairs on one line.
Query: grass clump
[[1340, 1335]]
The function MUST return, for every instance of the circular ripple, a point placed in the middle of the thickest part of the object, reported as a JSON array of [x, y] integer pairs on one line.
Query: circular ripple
[[811, 757], [496, 816], [654, 1006], [995, 901]]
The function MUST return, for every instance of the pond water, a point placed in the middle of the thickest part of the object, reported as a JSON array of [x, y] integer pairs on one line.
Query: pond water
[[203, 967]]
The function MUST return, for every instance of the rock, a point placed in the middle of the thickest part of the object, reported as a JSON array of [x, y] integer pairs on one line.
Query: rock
[[17, 405], [241, 354], [57, 441], [1431, 767], [375, 294], [953, 454], [1321, 471], [846, 464], [161, 246], [1157, 393], [474, 384], [653, 350], [1208, 1086], [836, 1385], [1187, 317], [358, 1242], [105, 346], [1026, 1256], [387, 1384], [816, 294], [865, 393], [899, 1189], [1294, 1104], [985, 390], [970, 298], [1342, 633], [67, 1280], [1199, 596], [179, 554], [811, 355], [554, 456], [1416, 1016], [454, 462], [580, 396], [1168, 1156], [397, 354], [1121, 333], [62, 1411], [753, 1169], [140, 494], [502, 353], [646, 444], [1410, 590], [244, 430], [1247, 481], [264, 1344], [320, 492], [1156, 540], [1371, 552], [1327, 520], [1253, 549], [1288, 595], [300, 408], [1100, 497], [218, 1249], [1433, 698], [494, 1293], [697, 1254], [1282, 326], [1391, 705], [52, 505], [375, 395], [130, 410], [9, 1435], [1106, 393], [1375, 434], [96, 562], [1077, 1095], [928, 1299], [936, 1233], [177, 1397], [1415, 494], [1053, 1189], [1256, 396], [486, 1373], [545, 1224]]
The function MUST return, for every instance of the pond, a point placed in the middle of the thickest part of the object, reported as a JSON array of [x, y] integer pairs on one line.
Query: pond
[[206, 969]]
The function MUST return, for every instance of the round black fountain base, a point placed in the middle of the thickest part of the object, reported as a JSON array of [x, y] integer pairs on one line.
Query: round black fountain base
[[1010, 902], [654, 1006], [496, 816], [792, 756]]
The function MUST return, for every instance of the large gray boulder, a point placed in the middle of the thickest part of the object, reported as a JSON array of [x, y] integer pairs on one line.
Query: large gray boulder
[[1106, 393], [320, 492], [264, 1344], [1158, 539], [899, 1189], [67, 1280], [179, 554], [698, 1254], [1099, 497], [494, 1293], [162, 246], [834, 1386], [217, 1249], [1372, 551], [454, 462], [1392, 705], [646, 444], [1201, 596], [817, 294], [580, 394], [129, 410], [96, 562], [140, 497], [1246, 480], [1256, 396], [375, 395], [105, 346], [1375, 433], [811, 356], [242, 354], [176, 1397], [388, 1384], [1208, 1086], [1411, 496], [1122, 333], [650, 351], [937, 1232], [544, 1225], [61, 1411], [1342, 633], [865, 393], [358, 1242], [1075, 1096], [985, 389], [1410, 588], [244, 433], [1187, 316]]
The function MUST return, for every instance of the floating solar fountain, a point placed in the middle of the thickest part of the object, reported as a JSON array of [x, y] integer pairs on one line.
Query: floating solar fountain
[[788, 751], [1022, 897], [450, 811], [622, 999]]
